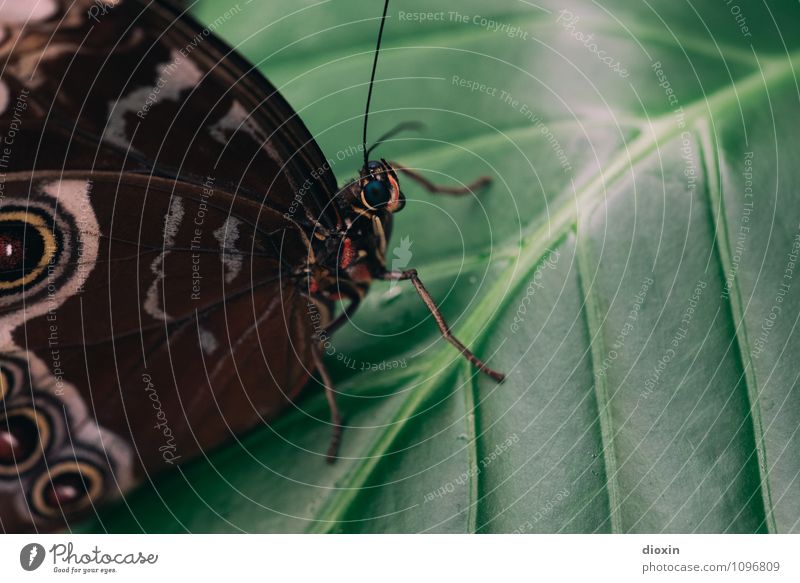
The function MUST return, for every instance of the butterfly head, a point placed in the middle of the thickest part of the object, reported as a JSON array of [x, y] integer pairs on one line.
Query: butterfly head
[[379, 188]]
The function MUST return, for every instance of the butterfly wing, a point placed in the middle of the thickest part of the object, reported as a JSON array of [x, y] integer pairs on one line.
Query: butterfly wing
[[143, 320], [151, 81], [158, 200]]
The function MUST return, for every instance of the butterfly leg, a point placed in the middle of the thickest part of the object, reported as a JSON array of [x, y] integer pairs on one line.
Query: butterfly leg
[[330, 395], [439, 189], [411, 274], [346, 315]]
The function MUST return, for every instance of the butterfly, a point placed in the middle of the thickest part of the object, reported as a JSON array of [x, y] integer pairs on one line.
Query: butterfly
[[173, 246]]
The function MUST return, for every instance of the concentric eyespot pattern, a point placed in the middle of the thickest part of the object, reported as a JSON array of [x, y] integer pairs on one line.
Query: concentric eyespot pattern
[[25, 435], [37, 251], [67, 488]]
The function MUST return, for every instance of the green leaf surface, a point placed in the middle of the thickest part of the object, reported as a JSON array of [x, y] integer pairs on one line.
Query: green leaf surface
[[632, 268]]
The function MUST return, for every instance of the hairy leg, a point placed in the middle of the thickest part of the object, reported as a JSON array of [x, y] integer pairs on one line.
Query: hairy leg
[[330, 395], [411, 274]]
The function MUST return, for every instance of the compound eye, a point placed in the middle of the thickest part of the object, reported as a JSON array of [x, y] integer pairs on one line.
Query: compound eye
[[67, 488], [375, 194]]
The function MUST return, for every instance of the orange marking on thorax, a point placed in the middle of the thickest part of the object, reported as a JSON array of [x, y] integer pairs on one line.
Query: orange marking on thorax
[[347, 254]]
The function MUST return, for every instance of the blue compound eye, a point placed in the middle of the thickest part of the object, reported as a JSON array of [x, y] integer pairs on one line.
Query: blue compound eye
[[375, 194]]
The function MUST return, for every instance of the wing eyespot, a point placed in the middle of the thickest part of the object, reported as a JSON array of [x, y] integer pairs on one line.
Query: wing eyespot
[[6, 383], [25, 435], [68, 488], [28, 245]]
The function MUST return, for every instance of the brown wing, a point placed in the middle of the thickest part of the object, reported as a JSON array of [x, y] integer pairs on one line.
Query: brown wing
[[149, 80], [142, 320]]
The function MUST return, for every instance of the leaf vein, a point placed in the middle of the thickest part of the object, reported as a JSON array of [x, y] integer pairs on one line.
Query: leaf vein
[[721, 245], [594, 325]]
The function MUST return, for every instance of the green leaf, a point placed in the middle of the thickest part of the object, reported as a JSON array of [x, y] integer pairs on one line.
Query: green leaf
[[632, 269]]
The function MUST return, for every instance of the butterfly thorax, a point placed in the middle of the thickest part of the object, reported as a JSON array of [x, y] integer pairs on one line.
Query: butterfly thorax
[[352, 256]]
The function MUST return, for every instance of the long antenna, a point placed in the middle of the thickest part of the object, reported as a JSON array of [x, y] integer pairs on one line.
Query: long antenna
[[372, 81]]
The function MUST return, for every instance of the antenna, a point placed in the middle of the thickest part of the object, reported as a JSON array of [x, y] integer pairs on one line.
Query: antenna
[[401, 127], [372, 81]]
